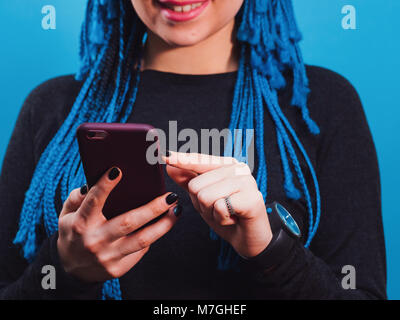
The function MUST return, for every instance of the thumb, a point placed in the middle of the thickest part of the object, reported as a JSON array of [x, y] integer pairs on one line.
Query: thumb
[[180, 176]]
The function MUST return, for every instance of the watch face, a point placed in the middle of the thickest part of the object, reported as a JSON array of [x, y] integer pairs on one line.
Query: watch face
[[288, 220]]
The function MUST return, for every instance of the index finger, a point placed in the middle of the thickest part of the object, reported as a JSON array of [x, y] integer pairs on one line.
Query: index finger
[[132, 220], [197, 162]]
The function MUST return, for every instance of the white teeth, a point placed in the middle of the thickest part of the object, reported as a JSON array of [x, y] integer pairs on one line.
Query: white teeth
[[186, 8]]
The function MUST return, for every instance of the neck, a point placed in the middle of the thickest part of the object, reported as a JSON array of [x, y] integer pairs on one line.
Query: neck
[[216, 54]]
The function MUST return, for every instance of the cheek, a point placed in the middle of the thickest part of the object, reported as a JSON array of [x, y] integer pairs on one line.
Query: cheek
[[227, 9], [218, 14], [147, 12]]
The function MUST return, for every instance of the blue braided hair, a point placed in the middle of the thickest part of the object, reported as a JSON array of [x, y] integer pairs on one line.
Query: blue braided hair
[[111, 46]]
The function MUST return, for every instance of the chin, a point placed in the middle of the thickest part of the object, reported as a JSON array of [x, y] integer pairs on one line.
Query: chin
[[178, 26], [183, 38]]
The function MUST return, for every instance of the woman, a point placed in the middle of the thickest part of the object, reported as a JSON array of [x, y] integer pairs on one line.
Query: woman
[[205, 64]]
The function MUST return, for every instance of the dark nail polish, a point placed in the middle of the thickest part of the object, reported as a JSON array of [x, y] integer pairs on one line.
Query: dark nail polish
[[171, 198], [178, 210], [84, 189], [114, 173], [167, 153]]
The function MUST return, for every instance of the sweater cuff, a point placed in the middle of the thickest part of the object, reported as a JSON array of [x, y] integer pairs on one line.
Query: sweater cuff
[[68, 286], [280, 274]]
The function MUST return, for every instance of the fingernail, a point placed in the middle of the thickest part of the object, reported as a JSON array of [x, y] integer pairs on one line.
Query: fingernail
[[167, 153], [113, 174], [171, 198], [178, 210], [84, 189]]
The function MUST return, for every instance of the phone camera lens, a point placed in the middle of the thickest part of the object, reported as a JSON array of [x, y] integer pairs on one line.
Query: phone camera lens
[[91, 134]]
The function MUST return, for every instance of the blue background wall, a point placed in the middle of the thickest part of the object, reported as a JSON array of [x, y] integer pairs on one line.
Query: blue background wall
[[368, 57]]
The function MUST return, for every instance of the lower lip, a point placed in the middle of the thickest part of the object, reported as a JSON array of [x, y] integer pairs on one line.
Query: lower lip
[[183, 16]]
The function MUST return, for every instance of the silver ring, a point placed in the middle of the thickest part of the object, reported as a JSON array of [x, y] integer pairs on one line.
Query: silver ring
[[229, 206]]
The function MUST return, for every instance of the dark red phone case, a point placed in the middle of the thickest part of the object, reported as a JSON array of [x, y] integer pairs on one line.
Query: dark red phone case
[[106, 145]]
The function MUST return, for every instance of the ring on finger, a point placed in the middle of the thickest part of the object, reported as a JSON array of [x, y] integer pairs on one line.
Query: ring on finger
[[229, 206]]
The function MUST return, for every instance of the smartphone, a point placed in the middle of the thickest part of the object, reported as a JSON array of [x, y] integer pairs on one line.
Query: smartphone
[[123, 145]]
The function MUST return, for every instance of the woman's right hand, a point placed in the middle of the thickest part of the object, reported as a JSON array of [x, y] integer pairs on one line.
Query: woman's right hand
[[93, 248]]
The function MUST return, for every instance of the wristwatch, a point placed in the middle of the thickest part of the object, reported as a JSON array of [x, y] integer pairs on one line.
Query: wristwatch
[[285, 233]]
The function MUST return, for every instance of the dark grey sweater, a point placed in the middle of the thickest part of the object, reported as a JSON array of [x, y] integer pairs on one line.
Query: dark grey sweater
[[182, 265]]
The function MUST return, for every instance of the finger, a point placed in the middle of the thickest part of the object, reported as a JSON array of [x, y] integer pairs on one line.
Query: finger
[[74, 201], [129, 261], [118, 265], [180, 176], [214, 176], [195, 202], [94, 201], [197, 162], [130, 221], [145, 237], [221, 214], [210, 194], [241, 203], [183, 177]]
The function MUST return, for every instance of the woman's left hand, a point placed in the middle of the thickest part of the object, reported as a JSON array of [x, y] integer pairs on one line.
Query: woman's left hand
[[209, 180]]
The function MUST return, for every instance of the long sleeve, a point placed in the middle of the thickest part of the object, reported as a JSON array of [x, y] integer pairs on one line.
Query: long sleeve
[[18, 279], [350, 231]]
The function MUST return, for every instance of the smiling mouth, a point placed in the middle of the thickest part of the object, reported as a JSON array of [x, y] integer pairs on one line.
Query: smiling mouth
[[181, 8], [181, 11]]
